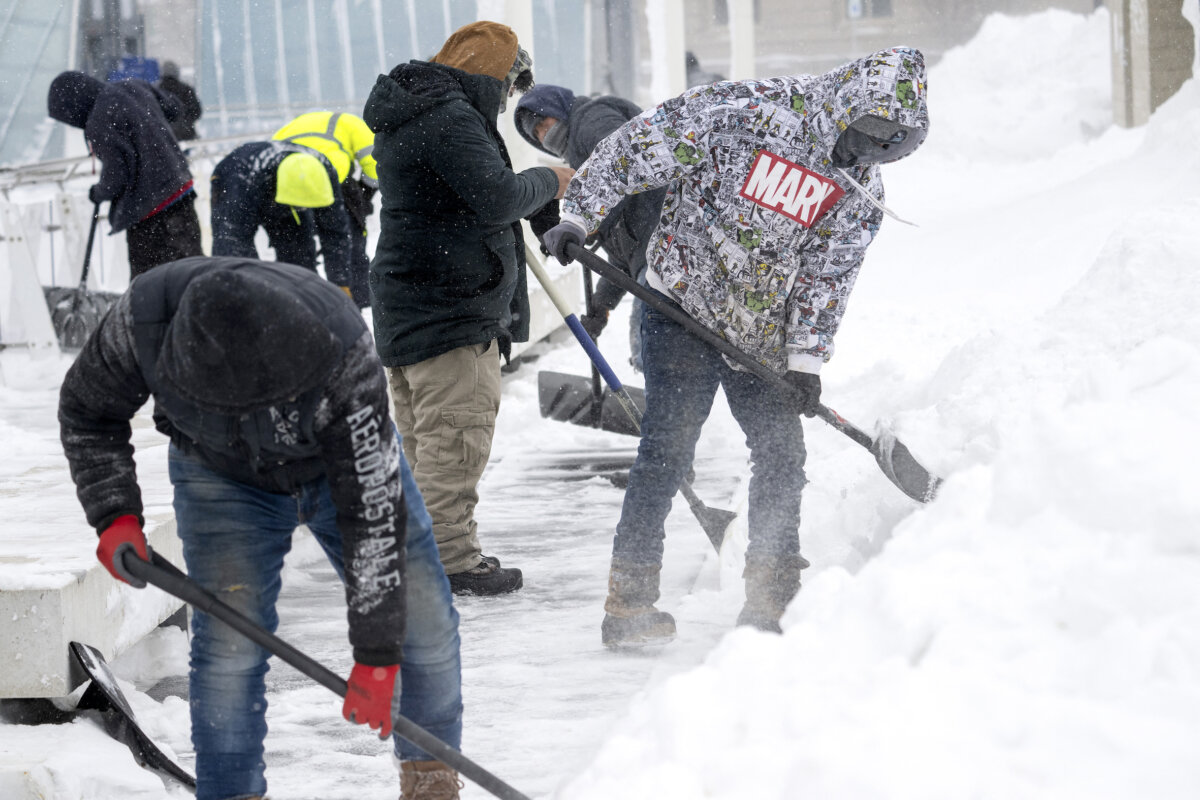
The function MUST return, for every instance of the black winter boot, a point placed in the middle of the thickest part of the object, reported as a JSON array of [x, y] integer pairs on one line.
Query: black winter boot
[[632, 620], [770, 586], [486, 578]]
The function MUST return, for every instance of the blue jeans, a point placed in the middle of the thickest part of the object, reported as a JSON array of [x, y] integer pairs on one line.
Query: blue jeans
[[682, 375], [234, 540]]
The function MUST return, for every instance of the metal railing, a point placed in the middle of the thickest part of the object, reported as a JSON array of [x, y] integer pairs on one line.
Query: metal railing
[[63, 170]]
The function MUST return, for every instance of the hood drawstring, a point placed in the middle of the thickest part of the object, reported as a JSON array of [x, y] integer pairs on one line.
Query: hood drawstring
[[872, 200]]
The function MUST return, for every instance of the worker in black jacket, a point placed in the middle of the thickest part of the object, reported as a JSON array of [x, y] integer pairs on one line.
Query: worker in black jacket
[[289, 190], [448, 283], [555, 121], [265, 378], [143, 173]]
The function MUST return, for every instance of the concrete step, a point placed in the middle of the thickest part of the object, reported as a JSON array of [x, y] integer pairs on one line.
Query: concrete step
[[87, 605]]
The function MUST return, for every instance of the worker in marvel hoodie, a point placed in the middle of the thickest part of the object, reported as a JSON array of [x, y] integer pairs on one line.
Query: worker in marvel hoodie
[[774, 193]]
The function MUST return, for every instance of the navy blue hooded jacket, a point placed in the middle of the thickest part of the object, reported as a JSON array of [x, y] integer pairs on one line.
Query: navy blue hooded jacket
[[626, 230], [127, 127]]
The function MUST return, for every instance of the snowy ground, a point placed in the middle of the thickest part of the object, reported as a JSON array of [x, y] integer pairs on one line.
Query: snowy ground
[[1035, 632]]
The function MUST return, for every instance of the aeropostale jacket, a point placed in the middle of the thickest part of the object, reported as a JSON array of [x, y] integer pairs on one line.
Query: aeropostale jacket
[[310, 400]]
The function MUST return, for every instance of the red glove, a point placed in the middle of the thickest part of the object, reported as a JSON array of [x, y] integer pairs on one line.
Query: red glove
[[124, 532], [369, 697]]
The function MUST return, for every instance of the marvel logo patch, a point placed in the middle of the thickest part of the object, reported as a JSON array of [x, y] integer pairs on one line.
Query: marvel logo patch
[[790, 189]]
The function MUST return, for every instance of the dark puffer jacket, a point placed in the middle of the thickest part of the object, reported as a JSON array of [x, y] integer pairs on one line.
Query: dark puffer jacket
[[626, 230], [267, 374], [449, 268], [127, 126]]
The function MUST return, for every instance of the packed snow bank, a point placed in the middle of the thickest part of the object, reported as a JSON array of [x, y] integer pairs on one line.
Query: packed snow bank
[[1001, 78], [1035, 632]]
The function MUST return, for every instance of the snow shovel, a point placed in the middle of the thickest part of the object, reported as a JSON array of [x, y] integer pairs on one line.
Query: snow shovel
[[75, 313], [714, 521], [580, 401], [104, 697], [896, 460], [161, 573]]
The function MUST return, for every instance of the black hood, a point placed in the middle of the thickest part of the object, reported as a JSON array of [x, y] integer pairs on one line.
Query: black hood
[[72, 96], [239, 342], [416, 87]]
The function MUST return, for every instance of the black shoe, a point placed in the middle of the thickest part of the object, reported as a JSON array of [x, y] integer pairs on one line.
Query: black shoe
[[650, 627], [486, 578]]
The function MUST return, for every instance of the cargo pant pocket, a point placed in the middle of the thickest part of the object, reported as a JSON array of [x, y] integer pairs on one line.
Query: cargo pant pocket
[[466, 440]]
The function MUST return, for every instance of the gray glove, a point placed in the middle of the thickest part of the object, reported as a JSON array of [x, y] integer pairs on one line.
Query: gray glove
[[562, 234]]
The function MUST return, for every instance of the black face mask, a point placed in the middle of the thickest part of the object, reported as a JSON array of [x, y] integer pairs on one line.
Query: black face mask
[[555, 139], [874, 140]]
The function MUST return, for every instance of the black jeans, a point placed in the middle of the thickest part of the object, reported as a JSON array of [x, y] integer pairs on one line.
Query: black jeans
[[169, 235]]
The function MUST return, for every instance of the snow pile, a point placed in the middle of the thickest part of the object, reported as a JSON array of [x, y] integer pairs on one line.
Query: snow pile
[[1035, 632], [1001, 79]]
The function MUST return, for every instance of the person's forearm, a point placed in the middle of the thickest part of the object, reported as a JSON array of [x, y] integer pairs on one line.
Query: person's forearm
[[362, 458], [99, 396]]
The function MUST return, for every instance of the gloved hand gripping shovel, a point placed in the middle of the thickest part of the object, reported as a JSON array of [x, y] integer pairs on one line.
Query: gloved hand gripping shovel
[[896, 461], [161, 573], [714, 521]]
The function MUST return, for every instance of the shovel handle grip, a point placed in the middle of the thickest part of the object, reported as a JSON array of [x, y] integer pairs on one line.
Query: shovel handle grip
[[87, 252], [575, 325]]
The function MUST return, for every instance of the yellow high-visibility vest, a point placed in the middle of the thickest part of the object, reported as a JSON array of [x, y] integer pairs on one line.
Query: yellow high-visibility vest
[[341, 138]]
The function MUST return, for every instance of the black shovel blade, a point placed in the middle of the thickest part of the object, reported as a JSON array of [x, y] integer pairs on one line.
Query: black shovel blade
[[104, 696], [75, 313], [571, 398], [903, 469]]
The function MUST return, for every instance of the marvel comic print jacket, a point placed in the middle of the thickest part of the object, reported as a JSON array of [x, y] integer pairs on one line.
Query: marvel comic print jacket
[[760, 239]]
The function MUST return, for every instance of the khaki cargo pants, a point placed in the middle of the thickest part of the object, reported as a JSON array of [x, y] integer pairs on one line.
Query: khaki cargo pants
[[445, 408]]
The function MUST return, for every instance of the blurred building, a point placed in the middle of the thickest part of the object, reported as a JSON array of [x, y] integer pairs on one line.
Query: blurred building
[[812, 36], [257, 63]]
